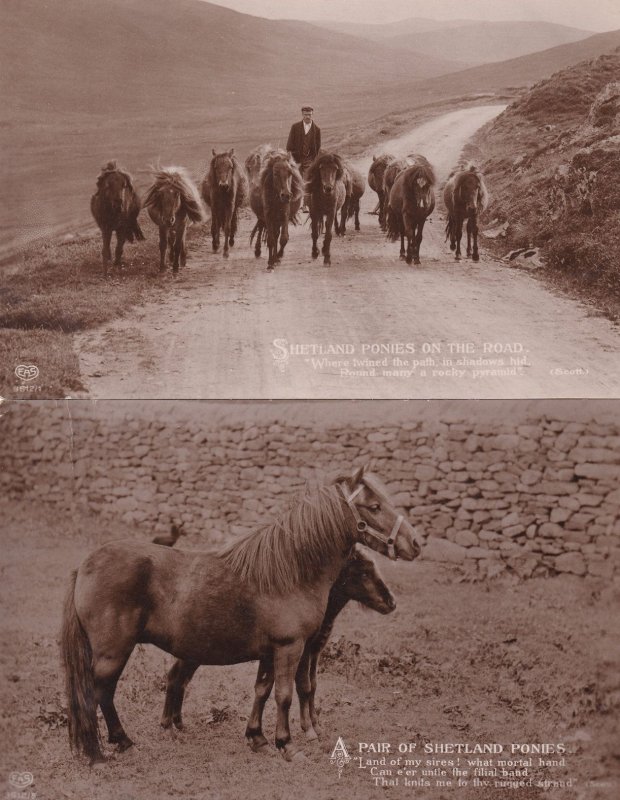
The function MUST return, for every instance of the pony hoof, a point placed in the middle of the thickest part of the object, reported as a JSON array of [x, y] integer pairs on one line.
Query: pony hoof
[[226, 255], [315, 255], [327, 262], [125, 744], [311, 735], [402, 256], [416, 261], [258, 744], [291, 753], [457, 258], [476, 258], [166, 723]]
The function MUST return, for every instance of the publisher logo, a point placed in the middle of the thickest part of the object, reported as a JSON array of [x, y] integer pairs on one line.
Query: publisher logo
[[21, 780], [27, 372]]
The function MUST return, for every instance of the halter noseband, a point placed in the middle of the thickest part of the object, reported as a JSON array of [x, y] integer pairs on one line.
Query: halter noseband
[[364, 527]]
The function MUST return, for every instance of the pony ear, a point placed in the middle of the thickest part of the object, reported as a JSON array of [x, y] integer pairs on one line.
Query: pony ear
[[374, 158], [231, 152], [213, 151], [357, 477]]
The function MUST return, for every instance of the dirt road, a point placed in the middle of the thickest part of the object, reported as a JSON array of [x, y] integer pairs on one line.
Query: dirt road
[[368, 327]]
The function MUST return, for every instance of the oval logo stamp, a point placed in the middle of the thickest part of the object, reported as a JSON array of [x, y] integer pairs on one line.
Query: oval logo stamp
[[27, 372]]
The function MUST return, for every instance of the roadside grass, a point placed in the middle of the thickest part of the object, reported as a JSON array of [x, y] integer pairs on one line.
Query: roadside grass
[[58, 290]]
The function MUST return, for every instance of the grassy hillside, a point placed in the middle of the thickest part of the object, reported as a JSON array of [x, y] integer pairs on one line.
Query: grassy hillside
[[553, 167]]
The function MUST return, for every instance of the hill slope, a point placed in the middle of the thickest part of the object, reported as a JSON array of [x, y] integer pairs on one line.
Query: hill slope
[[167, 54], [551, 160]]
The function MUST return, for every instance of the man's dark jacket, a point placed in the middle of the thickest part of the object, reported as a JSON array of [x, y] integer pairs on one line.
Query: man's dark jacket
[[295, 142]]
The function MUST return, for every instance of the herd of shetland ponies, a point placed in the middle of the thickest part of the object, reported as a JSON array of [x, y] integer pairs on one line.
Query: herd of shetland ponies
[[271, 182]]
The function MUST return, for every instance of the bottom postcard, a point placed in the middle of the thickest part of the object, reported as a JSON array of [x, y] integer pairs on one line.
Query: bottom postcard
[[319, 599]]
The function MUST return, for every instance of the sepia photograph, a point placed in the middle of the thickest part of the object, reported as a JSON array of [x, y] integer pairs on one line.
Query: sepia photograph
[[280, 199], [428, 590]]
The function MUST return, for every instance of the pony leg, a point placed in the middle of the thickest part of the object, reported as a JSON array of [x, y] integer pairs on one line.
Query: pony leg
[[458, 236], [315, 236], [402, 255], [106, 254], [474, 231], [357, 215], [341, 227], [272, 244], [233, 227], [303, 681], [283, 234], [469, 232], [215, 232], [329, 222], [382, 211], [107, 670], [163, 245], [418, 241], [179, 676], [227, 223], [259, 235], [118, 253], [286, 661], [262, 689]]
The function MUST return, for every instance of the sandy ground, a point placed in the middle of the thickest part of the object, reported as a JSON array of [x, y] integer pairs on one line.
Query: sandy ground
[[230, 329], [506, 662]]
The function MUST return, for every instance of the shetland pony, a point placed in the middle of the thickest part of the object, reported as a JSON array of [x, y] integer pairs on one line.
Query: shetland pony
[[355, 186], [225, 189], [326, 195], [171, 201], [265, 594], [115, 207], [411, 201], [375, 181], [465, 196]]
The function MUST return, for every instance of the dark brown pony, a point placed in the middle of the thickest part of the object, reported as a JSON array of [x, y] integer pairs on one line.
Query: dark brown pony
[[171, 201], [225, 189], [326, 195], [355, 186], [411, 201], [375, 181], [465, 196], [276, 202], [115, 207], [359, 580], [265, 595]]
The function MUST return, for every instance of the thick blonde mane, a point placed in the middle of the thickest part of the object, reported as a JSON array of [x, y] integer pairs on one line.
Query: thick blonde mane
[[178, 179], [294, 549]]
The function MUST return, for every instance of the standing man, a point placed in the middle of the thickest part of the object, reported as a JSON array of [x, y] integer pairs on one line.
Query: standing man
[[304, 141]]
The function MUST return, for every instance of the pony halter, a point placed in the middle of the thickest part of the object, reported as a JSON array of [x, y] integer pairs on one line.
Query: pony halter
[[364, 527]]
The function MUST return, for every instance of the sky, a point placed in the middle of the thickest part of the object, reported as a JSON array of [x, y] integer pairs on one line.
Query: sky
[[595, 15]]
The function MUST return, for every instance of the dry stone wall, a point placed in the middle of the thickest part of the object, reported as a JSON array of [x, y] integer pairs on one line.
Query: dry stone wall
[[535, 496]]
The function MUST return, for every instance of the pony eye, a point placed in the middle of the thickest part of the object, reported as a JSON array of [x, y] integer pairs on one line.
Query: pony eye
[[374, 507]]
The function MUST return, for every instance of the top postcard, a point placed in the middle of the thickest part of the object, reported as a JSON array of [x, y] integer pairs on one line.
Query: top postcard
[[310, 199]]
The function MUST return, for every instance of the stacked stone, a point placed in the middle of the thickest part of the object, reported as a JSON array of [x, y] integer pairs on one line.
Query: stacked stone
[[535, 498]]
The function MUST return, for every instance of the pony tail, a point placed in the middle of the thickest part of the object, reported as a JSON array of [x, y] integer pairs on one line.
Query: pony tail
[[392, 226], [77, 657]]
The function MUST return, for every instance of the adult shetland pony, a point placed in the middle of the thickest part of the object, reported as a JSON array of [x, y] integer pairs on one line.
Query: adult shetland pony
[[465, 196], [411, 201], [355, 186], [115, 207], [224, 188], [171, 201], [276, 201], [326, 195], [264, 595], [359, 580], [375, 181]]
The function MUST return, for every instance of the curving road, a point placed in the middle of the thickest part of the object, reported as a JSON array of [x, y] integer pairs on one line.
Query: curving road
[[368, 327]]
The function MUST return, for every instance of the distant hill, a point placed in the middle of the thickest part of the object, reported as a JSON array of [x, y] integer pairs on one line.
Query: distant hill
[[470, 41], [522, 71], [385, 31], [483, 42], [166, 54]]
